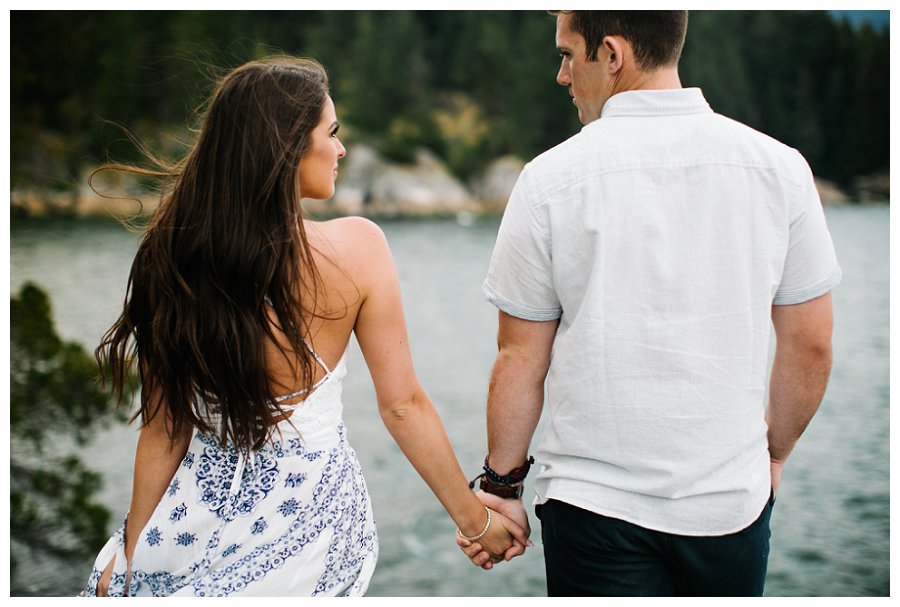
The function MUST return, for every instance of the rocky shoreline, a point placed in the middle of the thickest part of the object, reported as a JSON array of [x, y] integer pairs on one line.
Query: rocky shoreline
[[370, 186]]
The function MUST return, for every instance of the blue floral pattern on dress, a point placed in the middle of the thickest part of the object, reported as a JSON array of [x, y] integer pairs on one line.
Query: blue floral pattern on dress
[[178, 513], [288, 507], [160, 583], [336, 503], [216, 468], [259, 525], [230, 550], [310, 529], [154, 537], [294, 479]]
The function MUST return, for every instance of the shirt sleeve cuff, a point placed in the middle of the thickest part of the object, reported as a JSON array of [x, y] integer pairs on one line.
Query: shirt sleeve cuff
[[788, 298], [519, 311]]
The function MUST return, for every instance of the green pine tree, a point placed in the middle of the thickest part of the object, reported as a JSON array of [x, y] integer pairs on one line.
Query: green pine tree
[[53, 395]]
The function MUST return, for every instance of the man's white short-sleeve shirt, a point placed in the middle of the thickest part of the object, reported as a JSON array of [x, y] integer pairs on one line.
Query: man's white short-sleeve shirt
[[660, 236]]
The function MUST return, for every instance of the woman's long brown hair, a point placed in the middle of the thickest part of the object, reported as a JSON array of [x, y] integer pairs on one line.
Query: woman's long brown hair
[[228, 237]]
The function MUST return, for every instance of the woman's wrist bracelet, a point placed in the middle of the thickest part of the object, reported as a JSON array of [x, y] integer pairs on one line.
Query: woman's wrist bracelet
[[487, 525]]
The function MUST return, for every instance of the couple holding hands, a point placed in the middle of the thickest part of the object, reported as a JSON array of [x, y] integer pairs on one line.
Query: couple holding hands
[[638, 270]]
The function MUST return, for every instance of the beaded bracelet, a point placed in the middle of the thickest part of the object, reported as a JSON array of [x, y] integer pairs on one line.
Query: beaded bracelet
[[517, 475], [487, 524]]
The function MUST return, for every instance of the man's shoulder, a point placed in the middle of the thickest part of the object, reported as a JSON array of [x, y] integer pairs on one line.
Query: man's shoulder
[[600, 148], [571, 146], [763, 142], [558, 160]]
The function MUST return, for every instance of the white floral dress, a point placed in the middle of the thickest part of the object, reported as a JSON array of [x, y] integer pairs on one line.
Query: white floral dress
[[292, 519]]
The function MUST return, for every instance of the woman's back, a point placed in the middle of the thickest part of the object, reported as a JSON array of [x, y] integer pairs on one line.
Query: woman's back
[[329, 326], [346, 253], [358, 292], [241, 313], [292, 517]]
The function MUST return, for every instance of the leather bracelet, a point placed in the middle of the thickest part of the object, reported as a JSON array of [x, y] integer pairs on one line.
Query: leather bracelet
[[508, 486], [516, 475], [504, 491]]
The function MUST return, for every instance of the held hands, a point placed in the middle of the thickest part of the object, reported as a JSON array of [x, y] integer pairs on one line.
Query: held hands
[[506, 537]]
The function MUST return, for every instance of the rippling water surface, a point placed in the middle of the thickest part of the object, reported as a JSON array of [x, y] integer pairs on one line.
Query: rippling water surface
[[830, 529]]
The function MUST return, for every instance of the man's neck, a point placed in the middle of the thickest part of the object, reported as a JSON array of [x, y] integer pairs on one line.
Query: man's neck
[[656, 80]]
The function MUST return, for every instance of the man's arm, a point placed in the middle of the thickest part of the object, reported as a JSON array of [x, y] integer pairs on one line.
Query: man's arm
[[515, 402], [799, 374], [516, 392]]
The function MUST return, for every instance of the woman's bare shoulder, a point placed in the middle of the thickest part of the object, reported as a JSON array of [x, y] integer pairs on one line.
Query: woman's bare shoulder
[[350, 235], [357, 244], [347, 227]]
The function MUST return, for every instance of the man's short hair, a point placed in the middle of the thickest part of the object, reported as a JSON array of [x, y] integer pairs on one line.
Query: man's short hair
[[656, 37]]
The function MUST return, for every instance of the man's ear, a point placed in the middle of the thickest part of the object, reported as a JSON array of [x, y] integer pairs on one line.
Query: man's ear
[[613, 52]]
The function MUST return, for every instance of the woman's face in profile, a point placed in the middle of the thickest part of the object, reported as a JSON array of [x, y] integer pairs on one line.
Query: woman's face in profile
[[319, 164]]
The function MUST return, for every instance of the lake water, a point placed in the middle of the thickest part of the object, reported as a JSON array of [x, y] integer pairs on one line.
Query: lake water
[[831, 525]]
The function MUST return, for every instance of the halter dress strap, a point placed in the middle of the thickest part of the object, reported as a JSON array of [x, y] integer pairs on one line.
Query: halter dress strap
[[281, 399], [322, 380]]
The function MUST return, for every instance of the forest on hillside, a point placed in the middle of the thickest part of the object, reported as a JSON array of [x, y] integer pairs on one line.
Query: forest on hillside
[[469, 85]]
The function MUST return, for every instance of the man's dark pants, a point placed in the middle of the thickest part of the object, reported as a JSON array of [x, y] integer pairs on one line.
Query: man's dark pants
[[587, 554]]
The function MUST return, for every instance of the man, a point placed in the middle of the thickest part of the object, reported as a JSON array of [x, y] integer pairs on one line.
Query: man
[[639, 268]]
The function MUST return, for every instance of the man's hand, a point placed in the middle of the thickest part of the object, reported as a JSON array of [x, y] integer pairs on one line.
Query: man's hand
[[514, 510]]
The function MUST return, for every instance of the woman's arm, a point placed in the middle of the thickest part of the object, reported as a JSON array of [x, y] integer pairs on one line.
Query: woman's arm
[[155, 462], [404, 406]]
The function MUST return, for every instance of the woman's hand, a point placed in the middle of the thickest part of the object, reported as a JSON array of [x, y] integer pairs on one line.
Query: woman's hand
[[503, 541], [105, 577], [514, 511]]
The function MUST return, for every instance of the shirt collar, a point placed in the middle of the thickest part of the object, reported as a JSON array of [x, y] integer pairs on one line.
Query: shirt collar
[[646, 103]]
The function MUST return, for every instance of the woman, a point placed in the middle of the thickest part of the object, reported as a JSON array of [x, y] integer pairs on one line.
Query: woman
[[240, 312]]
